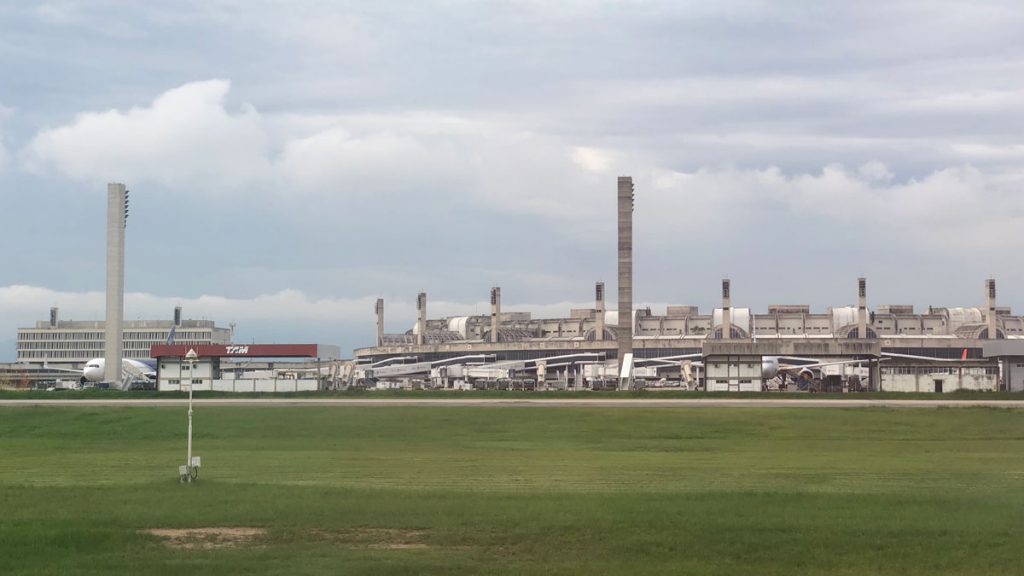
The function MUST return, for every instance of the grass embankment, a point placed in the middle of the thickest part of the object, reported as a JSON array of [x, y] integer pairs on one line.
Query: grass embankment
[[399, 490]]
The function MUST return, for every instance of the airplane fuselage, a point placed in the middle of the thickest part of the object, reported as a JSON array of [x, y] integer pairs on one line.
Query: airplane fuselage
[[95, 369]]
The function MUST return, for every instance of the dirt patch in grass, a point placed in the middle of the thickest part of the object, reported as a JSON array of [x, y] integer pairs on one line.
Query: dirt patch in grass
[[234, 536], [379, 538], [207, 538]]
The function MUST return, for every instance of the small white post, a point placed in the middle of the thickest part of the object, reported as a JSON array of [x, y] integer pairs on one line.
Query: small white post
[[189, 457], [190, 469]]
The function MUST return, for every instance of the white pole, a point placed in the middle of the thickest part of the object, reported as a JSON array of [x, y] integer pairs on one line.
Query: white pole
[[188, 463]]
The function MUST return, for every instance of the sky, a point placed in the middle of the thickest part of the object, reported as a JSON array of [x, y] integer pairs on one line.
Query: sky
[[290, 162]]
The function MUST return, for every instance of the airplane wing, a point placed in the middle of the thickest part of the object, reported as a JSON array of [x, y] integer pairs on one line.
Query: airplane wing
[[46, 366]]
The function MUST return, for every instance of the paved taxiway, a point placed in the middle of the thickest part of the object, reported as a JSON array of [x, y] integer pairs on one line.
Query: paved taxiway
[[532, 402]]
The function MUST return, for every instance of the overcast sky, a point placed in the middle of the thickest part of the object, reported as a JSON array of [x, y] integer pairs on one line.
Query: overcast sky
[[290, 162]]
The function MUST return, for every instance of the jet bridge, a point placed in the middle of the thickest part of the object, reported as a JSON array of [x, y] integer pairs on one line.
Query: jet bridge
[[388, 369], [506, 368]]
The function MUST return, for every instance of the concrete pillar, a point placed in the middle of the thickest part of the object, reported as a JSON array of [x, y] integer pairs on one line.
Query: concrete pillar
[[862, 308], [379, 311], [599, 312], [726, 310], [117, 218], [421, 322], [54, 313], [990, 308], [495, 312], [625, 218]]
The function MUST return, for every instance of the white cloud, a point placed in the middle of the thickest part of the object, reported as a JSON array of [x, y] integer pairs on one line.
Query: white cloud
[[189, 142], [32, 302], [875, 171], [5, 113], [22, 306], [185, 138], [592, 159], [983, 210], [460, 160]]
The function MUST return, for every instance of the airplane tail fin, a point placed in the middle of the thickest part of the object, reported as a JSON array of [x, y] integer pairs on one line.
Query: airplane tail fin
[[170, 337]]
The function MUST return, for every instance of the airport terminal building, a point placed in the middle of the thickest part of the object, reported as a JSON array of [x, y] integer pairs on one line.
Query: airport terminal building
[[892, 347], [939, 349], [71, 343]]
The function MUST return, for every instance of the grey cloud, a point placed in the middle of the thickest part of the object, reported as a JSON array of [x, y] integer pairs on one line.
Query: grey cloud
[[367, 147]]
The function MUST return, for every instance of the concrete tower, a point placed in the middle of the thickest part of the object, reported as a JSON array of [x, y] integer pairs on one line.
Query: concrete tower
[[177, 316], [117, 218], [990, 308], [726, 310], [495, 312], [599, 311], [862, 308], [625, 331], [379, 310], [421, 322], [54, 312]]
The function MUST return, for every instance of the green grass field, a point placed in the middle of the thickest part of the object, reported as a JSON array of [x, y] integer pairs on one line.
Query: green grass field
[[507, 490]]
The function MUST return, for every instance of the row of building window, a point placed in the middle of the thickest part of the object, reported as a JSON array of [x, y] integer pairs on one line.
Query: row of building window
[[86, 346], [948, 370], [60, 345], [74, 355], [127, 335], [62, 335]]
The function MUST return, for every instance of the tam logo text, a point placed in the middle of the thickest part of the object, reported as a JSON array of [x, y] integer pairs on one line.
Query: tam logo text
[[236, 349]]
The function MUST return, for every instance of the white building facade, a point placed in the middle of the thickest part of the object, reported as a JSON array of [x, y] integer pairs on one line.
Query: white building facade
[[74, 342]]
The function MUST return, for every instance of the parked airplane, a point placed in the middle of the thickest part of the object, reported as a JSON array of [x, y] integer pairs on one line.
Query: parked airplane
[[94, 370]]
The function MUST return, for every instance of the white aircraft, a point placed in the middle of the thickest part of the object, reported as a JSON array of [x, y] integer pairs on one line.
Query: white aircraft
[[94, 370]]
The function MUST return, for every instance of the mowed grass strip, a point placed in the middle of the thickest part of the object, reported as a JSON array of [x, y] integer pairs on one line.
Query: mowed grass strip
[[396, 490]]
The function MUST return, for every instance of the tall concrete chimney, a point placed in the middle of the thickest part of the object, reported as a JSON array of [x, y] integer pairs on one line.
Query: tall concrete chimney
[[495, 312], [990, 308], [726, 310], [421, 323], [54, 317], [625, 331], [177, 316], [862, 308], [599, 311], [117, 218], [379, 310]]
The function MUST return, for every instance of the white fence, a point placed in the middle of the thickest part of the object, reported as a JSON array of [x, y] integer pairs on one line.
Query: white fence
[[249, 385]]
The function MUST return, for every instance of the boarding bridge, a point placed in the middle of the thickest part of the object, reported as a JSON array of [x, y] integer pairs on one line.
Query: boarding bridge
[[505, 368], [130, 373], [387, 369], [399, 370]]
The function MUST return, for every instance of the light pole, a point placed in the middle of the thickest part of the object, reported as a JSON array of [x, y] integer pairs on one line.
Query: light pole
[[190, 471]]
